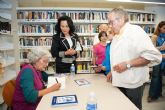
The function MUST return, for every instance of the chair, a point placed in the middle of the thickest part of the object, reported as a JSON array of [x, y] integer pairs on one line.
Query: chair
[[8, 92]]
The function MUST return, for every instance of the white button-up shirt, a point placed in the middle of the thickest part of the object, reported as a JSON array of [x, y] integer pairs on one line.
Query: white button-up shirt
[[132, 42]]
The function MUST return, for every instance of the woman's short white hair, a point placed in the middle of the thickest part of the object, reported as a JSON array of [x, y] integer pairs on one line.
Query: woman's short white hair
[[37, 53]]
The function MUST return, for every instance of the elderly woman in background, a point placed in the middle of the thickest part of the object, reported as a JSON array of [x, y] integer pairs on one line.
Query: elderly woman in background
[[30, 81]]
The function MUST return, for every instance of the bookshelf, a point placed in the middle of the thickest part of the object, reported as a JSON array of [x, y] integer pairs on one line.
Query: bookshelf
[[36, 27], [8, 52]]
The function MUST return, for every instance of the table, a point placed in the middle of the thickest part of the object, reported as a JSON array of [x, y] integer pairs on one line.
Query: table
[[108, 97]]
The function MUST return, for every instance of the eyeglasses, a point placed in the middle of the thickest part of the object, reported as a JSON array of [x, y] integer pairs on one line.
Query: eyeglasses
[[111, 22]]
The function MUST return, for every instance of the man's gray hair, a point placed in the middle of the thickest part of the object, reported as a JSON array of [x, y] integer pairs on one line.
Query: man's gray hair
[[35, 54], [120, 13]]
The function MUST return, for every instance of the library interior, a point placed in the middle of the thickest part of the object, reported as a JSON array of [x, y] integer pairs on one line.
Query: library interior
[[99, 54]]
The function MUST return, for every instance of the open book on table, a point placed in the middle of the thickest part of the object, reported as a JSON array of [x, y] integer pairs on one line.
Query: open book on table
[[64, 100], [53, 80]]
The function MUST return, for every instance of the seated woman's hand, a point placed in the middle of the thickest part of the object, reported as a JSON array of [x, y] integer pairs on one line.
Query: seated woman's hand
[[55, 87]]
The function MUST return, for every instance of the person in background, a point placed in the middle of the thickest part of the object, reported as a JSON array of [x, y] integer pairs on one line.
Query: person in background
[[99, 51], [131, 53], [102, 27], [106, 63], [30, 81], [155, 90], [65, 45]]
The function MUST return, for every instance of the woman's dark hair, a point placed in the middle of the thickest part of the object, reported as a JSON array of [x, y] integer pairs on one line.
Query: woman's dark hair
[[70, 24], [101, 34]]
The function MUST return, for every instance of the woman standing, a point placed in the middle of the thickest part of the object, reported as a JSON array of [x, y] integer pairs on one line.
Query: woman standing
[[99, 51], [65, 45], [158, 39]]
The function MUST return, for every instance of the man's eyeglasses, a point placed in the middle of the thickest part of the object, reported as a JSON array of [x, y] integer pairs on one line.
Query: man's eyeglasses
[[111, 22]]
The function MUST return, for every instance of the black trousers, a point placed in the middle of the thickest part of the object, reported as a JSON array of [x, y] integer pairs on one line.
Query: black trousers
[[64, 67], [135, 95]]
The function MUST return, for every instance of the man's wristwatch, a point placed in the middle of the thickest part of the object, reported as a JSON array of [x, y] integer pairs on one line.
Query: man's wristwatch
[[128, 66]]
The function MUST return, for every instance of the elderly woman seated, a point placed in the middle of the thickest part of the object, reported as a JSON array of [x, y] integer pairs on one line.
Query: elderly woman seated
[[30, 81]]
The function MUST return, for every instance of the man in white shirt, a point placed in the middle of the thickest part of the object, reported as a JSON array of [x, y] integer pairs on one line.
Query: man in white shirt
[[131, 53]]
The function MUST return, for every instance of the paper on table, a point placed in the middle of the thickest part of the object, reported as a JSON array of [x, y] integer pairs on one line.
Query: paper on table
[[52, 80], [82, 82]]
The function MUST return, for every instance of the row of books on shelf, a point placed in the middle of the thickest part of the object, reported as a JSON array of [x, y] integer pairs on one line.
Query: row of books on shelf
[[80, 15], [75, 15], [86, 55], [99, 16], [5, 27], [86, 41], [49, 28], [36, 28], [83, 66], [35, 41], [24, 53], [143, 17], [148, 29], [47, 41], [88, 28]]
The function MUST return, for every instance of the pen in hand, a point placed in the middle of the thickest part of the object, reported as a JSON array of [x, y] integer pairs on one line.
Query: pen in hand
[[56, 80]]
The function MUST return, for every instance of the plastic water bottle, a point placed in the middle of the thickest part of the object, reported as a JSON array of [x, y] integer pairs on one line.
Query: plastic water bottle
[[72, 70], [92, 102]]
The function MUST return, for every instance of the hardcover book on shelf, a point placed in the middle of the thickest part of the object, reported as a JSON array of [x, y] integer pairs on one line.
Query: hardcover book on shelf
[[64, 100], [82, 82]]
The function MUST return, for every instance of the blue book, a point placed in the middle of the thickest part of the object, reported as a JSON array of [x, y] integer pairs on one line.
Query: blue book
[[64, 100]]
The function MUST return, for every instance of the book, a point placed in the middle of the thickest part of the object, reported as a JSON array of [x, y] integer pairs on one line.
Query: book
[[53, 80], [64, 100], [82, 82]]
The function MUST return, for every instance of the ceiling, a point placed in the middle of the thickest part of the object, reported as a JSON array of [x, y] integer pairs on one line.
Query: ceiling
[[98, 1], [86, 3]]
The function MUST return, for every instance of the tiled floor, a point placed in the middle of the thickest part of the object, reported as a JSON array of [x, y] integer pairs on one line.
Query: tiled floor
[[158, 104]]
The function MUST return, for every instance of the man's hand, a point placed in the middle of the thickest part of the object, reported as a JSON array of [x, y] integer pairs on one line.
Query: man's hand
[[121, 67], [109, 77]]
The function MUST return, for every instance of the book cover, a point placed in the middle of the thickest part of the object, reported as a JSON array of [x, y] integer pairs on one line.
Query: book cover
[[64, 100], [82, 82]]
